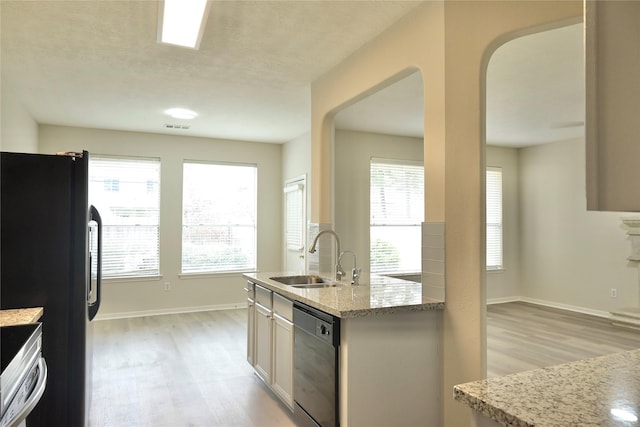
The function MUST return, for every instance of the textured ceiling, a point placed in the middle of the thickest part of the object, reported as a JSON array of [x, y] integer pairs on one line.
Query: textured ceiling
[[535, 94], [98, 64], [535, 89]]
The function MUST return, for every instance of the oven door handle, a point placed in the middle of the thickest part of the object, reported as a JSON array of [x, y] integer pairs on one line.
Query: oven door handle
[[35, 396]]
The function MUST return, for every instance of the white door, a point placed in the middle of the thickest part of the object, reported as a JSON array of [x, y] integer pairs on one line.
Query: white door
[[295, 218]]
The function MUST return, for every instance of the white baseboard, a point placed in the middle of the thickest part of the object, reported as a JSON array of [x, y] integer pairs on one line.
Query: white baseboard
[[158, 312], [503, 300], [576, 309]]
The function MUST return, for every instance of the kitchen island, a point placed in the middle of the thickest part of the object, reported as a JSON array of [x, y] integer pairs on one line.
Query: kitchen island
[[597, 392], [389, 348]]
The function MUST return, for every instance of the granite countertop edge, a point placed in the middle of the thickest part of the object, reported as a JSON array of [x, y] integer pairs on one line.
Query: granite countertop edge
[[313, 297], [582, 392], [496, 414], [20, 316]]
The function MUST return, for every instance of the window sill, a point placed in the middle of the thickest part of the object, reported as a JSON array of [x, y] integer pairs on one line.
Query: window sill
[[132, 279], [205, 275], [495, 270]]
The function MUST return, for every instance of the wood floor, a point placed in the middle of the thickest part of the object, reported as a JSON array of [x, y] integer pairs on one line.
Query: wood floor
[[523, 336], [179, 370], [191, 370]]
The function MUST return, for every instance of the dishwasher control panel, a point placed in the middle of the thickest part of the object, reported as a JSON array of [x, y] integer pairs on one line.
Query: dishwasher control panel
[[316, 323], [323, 329]]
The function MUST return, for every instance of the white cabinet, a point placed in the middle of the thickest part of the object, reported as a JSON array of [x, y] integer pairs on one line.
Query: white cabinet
[[612, 104], [251, 323], [264, 338], [251, 333], [283, 350], [270, 336]]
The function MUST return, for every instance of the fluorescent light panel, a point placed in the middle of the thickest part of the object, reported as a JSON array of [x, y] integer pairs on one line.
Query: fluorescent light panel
[[182, 22]]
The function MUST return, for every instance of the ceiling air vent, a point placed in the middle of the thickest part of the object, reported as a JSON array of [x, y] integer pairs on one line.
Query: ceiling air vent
[[180, 127]]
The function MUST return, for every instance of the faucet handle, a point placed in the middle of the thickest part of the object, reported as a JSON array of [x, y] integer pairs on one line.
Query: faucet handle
[[355, 276]]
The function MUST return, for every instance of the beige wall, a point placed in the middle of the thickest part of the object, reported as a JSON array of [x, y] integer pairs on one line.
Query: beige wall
[[296, 162], [570, 257], [296, 157], [450, 43], [353, 153], [125, 298], [18, 130]]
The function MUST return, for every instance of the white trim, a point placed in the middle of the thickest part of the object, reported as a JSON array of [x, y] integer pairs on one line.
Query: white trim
[[399, 162], [503, 300], [128, 279], [213, 274], [574, 308], [179, 310]]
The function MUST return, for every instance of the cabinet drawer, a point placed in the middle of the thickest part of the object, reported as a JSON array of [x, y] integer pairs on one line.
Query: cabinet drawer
[[250, 290], [283, 306], [263, 296]]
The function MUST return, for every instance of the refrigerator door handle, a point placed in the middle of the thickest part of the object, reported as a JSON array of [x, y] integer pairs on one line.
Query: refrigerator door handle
[[94, 215]]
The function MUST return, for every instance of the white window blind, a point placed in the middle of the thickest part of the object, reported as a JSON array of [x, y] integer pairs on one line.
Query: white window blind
[[126, 192], [494, 218], [396, 215], [219, 209], [294, 205]]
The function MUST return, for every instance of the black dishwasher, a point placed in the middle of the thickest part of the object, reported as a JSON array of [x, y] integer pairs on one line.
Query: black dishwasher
[[316, 367]]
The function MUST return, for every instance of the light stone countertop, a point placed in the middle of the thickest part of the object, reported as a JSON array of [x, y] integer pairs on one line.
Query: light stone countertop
[[20, 316], [581, 394], [382, 295]]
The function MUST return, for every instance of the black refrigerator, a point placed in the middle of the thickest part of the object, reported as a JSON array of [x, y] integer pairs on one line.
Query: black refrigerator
[[50, 244]]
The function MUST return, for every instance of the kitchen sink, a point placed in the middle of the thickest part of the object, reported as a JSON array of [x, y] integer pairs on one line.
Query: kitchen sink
[[315, 285], [305, 281]]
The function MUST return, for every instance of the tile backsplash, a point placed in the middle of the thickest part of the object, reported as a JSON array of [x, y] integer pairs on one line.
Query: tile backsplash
[[433, 259], [321, 262]]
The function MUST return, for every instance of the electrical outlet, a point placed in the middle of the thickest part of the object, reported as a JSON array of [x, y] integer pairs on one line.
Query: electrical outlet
[[167, 286], [614, 292]]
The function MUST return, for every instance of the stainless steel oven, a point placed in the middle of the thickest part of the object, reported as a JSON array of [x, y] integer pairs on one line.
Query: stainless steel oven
[[316, 367], [24, 373]]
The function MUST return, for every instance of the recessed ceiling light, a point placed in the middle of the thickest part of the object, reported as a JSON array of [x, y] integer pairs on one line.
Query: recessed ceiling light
[[181, 113], [182, 22]]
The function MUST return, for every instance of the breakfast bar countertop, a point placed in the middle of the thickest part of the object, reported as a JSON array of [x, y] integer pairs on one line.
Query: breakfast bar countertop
[[602, 391], [382, 295], [20, 316]]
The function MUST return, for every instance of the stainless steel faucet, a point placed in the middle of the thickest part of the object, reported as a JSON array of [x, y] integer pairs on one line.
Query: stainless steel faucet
[[355, 271], [339, 271]]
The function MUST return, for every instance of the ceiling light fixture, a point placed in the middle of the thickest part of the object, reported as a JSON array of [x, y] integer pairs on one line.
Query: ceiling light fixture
[[182, 22], [181, 113]]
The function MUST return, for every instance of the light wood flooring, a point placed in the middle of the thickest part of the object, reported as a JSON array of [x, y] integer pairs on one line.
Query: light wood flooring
[[191, 370], [179, 370], [523, 336]]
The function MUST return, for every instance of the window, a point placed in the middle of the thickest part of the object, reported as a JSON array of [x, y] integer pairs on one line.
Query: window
[[119, 189], [494, 218], [219, 208], [396, 213], [294, 205]]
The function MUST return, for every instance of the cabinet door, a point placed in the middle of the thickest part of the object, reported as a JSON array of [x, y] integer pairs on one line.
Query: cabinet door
[[251, 331], [612, 30], [283, 359], [264, 336]]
